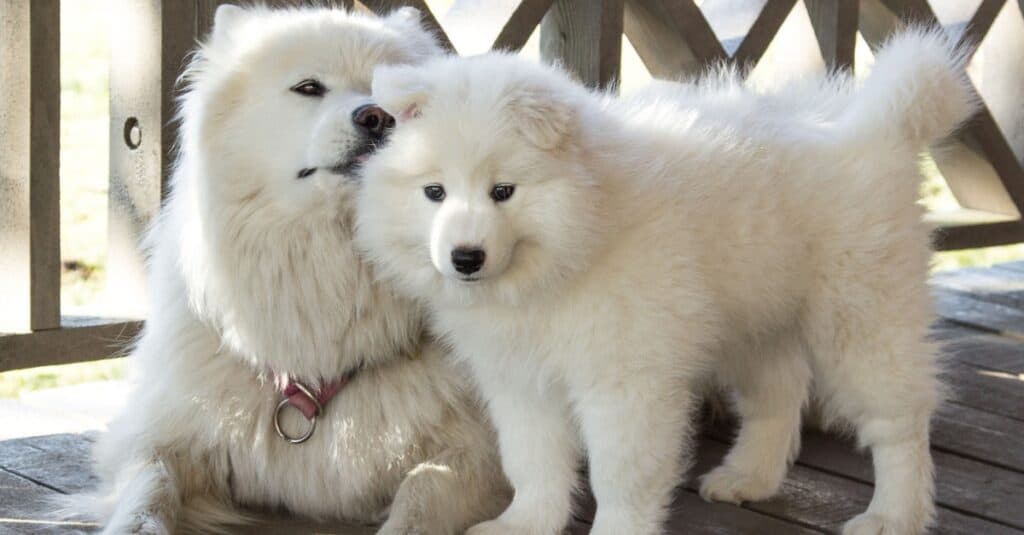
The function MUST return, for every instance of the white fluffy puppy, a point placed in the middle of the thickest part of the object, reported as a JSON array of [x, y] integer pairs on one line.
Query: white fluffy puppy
[[590, 258], [256, 287]]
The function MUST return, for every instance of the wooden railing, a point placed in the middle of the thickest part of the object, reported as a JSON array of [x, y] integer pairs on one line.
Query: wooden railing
[[672, 38]]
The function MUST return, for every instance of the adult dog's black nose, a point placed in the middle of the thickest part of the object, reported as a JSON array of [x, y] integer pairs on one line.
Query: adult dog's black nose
[[468, 260], [371, 120]]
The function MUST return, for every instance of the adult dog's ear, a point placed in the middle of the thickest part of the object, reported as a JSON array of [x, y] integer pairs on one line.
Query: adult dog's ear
[[543, 115], [226, 18], [402, 90]]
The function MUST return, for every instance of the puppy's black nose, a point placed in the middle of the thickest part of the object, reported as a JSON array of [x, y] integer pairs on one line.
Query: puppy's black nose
[[468, 260], [371, 120]]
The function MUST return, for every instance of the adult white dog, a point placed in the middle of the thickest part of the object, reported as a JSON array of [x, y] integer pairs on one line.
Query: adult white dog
[[591, 258], [257, 289]]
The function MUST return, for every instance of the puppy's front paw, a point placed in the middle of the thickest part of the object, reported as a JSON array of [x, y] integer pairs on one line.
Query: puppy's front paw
[[498, 527], [726, 484], [877, 524]]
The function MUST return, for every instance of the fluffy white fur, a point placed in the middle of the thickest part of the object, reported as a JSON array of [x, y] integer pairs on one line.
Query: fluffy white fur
[[254, 273], [768, 241]]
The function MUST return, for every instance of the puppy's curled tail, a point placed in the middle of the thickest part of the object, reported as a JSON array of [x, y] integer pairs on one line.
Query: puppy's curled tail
[[916, 93]]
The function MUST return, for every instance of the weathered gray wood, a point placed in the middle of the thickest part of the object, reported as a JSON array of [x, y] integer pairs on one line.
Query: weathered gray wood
[[979, 435], [23, 506], [989, 352], [988, 390], [981, 23], [100, 340], [835, 27], [951, 238], [991, 285], [1016, 268], [521, 24], [61, 462], [761, 33], [29, 165], [813, 496], [948, 332], [690, 514], [977, 488], [672, 38], [429, 20], [142, 133], [967, 310], [586, 38]]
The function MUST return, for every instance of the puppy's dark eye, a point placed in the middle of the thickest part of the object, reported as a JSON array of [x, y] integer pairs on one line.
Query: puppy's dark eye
[[309, 88], [434, 192], [502, 192]]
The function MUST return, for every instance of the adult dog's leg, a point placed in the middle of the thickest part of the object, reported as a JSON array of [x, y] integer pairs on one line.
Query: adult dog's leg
[[148, 499], [771, 389], [450, 492]]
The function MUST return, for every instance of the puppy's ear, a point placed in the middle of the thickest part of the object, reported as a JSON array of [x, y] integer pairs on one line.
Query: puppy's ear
[[400, 89], [544, 116], [226, 18]]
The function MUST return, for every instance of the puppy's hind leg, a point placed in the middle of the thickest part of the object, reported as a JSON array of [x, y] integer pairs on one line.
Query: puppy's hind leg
[[884, 382], [770, 391]]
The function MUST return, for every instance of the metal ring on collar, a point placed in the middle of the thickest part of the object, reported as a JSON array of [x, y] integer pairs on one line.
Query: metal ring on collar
[[312, 421]]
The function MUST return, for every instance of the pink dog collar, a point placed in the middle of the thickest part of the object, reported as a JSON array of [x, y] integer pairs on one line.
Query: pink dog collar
[[311, 404]]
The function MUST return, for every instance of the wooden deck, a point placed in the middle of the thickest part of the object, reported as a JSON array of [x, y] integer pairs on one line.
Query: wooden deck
[[978, 444]]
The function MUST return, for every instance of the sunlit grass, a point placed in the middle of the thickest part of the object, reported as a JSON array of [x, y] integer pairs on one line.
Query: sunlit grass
[[13, 383]]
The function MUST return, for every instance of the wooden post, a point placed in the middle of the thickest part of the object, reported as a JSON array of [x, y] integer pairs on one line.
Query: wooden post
[[29, 165], [516, 31], [672, 37], [835, 27], [150, 39], [584, 36], [429, 20]]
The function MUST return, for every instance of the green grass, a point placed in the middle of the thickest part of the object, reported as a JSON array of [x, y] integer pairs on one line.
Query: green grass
[[85, 49]]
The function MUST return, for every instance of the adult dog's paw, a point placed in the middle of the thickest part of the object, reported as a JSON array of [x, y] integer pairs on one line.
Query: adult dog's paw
[[877, 524], [498, 527], [726, 484]]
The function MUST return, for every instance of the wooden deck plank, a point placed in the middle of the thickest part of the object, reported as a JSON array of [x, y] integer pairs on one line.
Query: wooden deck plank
[[979, 435], [24, 506], [690, 514], [964, 484], [988, 351], [987, 390], [965, 309], [61, 462], [825, 501], [997, 286]]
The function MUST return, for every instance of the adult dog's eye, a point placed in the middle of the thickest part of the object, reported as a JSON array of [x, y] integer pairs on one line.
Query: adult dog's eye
[[434, 192], [502, 192], [309, 88]]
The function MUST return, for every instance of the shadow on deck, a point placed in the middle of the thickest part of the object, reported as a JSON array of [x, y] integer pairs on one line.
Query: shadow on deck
[[977, 443]]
